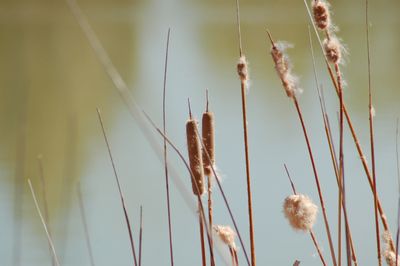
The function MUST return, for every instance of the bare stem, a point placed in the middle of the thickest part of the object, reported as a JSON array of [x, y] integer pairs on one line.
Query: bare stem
[[128, 224], [165, 154], [203, 249], [246, 148], [140, 236], [371, 131], [85, 226], [49, 239], [328, 232]]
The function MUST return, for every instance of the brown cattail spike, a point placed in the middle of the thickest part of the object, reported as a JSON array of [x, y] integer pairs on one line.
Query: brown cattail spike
[[321, 14], [195, 157], [333, 50], [300, 211], [208, 140]]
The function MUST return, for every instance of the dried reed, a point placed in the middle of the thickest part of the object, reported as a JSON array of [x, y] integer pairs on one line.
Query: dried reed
[[46, 229], [165, 155], [84, 222], [242, 69], [121, 195]]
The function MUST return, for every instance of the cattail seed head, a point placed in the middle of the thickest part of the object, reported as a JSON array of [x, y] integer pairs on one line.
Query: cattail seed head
[[390, 257], [226, 235], [300, 211], [242, 69], [333, 50], [195, 157], [208, 140], [321, 14], [284, 69]]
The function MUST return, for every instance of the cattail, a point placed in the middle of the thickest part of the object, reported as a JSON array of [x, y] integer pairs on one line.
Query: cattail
[[283, 68], [389, 254], [390, 257], [208, 140], [333, 49], [195, 157], [226, 235], [321, 14], [300, 211], [243, 70]]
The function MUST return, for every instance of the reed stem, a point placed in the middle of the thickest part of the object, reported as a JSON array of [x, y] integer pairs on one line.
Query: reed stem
[[328, 232]]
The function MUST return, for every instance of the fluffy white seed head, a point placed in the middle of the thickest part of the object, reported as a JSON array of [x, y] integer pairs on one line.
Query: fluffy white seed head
[[333, 50], [300, 211], [243, 71], [283, 68], [321, 14], [226, 235], [390, 257]]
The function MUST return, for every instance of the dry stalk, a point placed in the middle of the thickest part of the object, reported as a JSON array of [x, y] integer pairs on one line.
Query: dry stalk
[[121, 195], [140, 236], [42, 219], [84, 222], [243, 75], [171, 253]]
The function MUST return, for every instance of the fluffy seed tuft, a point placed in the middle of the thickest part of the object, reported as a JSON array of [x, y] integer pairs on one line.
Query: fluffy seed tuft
[[390, 257], [333, 50], [226, 234], [300, 211], [321, 14], [283, 68]]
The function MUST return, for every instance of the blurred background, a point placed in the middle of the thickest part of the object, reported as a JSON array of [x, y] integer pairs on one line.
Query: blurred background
[[51, 83]]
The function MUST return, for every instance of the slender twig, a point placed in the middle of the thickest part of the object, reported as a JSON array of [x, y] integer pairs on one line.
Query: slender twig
[[128, 224], [140, 236], [363, 159], [202, 246], [84, 222], [246, 147], [398, 201], [171, 253], [317, 182], [49, 239], [44, 198], [371, 134], [328, 133], [216, 178], [313, 238]]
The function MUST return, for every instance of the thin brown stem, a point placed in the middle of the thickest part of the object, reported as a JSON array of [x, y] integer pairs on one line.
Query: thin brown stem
[[371, 131], [141, 236], [49, 239], [246, 147], [171, 253], [398, 200], [328, 232], [310, 231], [85, 226], [128, 224], [203, 248]]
